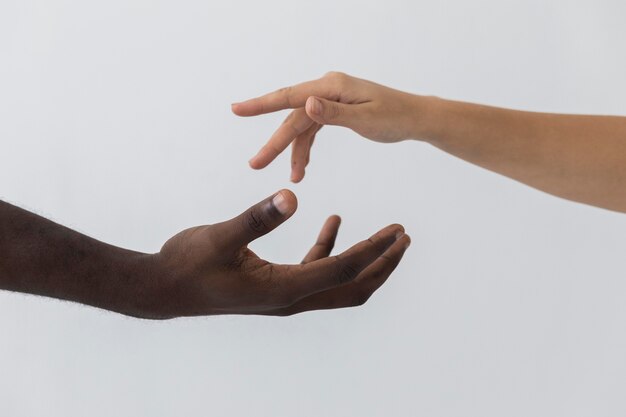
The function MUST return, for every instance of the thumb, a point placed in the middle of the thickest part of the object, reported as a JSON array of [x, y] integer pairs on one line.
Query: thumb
[[258, 220], [331, 112]]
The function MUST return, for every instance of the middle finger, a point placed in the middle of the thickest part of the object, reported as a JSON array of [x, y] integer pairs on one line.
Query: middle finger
[[294, 125]]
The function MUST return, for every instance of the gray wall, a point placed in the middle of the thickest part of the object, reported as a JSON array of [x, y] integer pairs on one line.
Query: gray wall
[[115, 120]]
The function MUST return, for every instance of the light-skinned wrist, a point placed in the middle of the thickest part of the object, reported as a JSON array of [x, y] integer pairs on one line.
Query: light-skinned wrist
[[426, 115]]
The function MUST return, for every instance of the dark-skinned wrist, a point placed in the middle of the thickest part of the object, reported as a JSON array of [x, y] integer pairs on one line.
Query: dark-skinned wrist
[[137, 286]]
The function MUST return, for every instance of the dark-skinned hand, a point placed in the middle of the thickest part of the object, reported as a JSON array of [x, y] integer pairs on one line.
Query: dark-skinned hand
[[210, 269]]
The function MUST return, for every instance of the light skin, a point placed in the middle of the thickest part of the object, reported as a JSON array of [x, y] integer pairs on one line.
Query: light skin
[[576, 157], [205, 270]]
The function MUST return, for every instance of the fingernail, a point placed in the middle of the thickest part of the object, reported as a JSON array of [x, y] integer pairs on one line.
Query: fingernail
[[399, 234], [408, 242], [316, 106], [280, 202]]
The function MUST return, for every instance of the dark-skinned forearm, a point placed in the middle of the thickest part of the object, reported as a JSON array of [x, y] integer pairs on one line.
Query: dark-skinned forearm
[[580, 158], [41, 257]]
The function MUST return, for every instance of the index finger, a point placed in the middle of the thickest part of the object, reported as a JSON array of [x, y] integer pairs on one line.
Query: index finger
[[291, 97]]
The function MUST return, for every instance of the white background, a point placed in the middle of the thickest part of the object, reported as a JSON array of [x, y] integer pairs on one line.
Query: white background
[[115, 120]]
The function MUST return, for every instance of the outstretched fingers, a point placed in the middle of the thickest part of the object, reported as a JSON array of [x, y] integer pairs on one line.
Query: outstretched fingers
[[357, 292], [323, 274]]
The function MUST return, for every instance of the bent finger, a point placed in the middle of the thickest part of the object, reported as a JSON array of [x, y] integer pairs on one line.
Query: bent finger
[[300, 149], [256, 221], [326, 273], [355, 293], [294, 125], [325, 241]]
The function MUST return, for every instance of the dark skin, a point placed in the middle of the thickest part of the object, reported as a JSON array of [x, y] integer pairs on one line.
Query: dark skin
[[204, 270]]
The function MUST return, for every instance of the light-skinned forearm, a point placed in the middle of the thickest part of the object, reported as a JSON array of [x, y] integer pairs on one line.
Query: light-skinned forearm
[[580, 158]]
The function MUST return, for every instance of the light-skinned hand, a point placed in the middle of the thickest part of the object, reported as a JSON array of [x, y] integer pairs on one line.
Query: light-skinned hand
[[373, 111]]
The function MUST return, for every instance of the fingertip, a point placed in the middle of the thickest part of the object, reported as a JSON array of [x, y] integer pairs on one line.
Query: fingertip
[[334, 222], [313, 108], [238, 109], [407, 241], [245, 108], [297, 176], [395, 229], [398, 229], [260, 160], [309, 105], [253, 163], [285, 202], [334, 218]]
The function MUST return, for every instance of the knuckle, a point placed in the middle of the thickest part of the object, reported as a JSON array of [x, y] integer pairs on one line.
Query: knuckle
[[367, 246], [376, 243], [388, 259], [295, 125], [294, 131], [289, 118], [334, 112], [344, 271], [338, 79], [287, 94], [272, 148], [322, 245], [335, 75], [327, 245], [253, 220]]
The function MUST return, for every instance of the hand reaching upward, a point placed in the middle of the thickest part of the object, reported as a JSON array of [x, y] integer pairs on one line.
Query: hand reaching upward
[[210, 270]]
